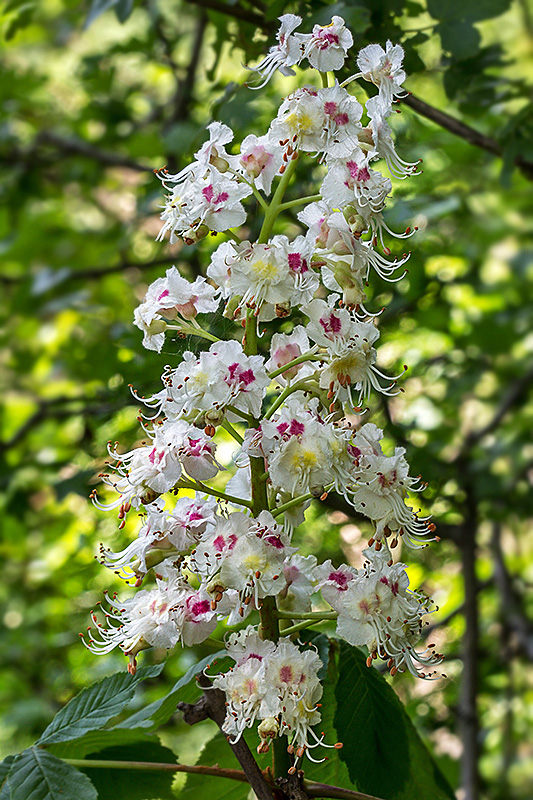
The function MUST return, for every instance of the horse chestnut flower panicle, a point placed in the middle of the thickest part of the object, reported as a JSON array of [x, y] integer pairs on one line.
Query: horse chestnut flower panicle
[[282, 402]]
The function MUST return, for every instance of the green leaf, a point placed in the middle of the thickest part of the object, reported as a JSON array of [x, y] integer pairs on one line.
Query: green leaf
[[459, 38], [158, 712], [94, 741], [134, 784], [38, 775], [5, 766], [123, 9], [98, 7], [382, 749], [23, 18], [95, 706], [454, 10]]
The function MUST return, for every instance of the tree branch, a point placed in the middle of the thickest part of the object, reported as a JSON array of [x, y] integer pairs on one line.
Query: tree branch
[[82, 148], [513, 396], [213, 705], [314, 789], [467, 707], [47, 409], [183, 94], [237, 12], [464, 131], [91, 273]]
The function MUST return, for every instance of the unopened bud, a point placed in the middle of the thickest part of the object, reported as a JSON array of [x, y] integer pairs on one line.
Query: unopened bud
[[215, 416], [232, 306], [149, 496], [283, 309], [269, 728], [194, 235], [219, 163], [157, 326]]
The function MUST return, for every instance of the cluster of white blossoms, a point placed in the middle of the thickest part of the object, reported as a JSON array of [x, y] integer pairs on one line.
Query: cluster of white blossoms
[[294, 402]]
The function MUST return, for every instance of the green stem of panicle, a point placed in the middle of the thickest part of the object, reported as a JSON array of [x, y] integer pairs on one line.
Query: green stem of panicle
[[269, 625], [276, 203], [300, 201], [300, 360]]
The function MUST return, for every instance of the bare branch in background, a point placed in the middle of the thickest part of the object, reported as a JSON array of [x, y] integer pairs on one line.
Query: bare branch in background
[[237, 12], [464, 131], [467, 707]]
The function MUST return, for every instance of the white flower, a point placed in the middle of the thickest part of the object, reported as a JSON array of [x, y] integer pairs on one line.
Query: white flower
[[327, 46], [285, 54], [334, 582], [141, 475], [259, 275], [300, 120], [380, 488], [350, 357], [277, 684], [175, 532], [304, 452], [260, 160], [383, 68], [300, 578], [218, 543], [319, 121], [352, 181], [220, 376], [169, 297], [198, 205], [246, 644], [383, 141], [158, 617], [255, 568], [285, 348], [379, 611]]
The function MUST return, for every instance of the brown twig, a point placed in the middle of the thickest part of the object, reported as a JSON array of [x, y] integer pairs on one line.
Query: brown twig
[[517, 390], [464, 131], [237, 12], [467, 707], [82, 148], [213, 705], [91, 273]]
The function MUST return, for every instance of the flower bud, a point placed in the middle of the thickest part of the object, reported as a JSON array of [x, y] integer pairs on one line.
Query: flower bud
[[156, 326], [215, 416], [283, 309], [269, 728], [232, 306], [149, 496], [218, 162], [194, 235]]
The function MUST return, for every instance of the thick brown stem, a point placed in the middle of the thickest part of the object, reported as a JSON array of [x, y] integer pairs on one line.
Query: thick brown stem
[[213, 705]]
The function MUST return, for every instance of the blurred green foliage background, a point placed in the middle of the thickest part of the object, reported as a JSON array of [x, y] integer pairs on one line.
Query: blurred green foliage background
[[94, 97]]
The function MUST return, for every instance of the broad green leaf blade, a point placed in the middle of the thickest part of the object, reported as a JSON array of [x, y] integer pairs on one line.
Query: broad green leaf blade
[[98, 7], [332, 770], [123, 9], [95, 706], [134, 784], [5, 766], [38, 775], [158, 712], [94, 741], [382, 749]]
